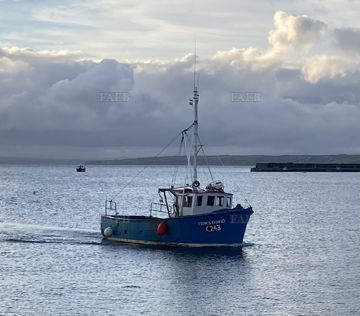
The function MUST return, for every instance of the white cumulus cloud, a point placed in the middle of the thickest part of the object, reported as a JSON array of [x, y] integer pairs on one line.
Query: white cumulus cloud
[[294, 31]]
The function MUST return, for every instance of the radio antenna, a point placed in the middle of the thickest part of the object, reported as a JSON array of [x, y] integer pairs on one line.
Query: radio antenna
[[195, 65]]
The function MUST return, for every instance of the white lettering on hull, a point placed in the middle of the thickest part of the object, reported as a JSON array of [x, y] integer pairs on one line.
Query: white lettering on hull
[[213, 228], [213, 225], [213, 222]]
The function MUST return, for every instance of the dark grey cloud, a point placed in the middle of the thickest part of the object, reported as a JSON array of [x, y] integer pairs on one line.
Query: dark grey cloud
[[59, 105], [348, 40]]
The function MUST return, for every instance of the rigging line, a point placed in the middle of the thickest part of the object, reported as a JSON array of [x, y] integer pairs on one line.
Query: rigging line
[[206, 159], [237, 188], [191, 142], [140, 171], [188, 157], [219, 158], [179, 155], [204, 173], [182, 146]]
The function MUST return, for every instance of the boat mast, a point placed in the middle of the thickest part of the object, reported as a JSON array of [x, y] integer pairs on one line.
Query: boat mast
[[196, 122]]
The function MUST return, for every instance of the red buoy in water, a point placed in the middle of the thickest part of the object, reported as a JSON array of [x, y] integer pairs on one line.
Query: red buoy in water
[[162, 229]]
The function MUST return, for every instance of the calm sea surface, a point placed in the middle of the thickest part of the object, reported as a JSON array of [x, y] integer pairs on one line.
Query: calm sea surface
[[302, 252]]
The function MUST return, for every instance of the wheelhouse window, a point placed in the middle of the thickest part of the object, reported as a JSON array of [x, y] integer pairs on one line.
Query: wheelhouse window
[[210, 200], [199, 200], [219, 201], [228, 201], [187, 201]]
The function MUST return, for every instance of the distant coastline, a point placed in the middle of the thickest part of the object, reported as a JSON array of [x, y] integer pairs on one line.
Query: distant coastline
[[226, 160], [231, 160]]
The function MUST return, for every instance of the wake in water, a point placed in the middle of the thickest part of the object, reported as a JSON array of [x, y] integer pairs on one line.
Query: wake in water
[[36, 234], [22, 233]]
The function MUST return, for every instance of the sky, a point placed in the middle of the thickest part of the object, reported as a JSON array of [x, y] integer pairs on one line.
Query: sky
[[112, 79]]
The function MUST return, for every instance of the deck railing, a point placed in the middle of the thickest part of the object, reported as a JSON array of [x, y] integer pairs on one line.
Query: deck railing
[[158, 208], [110, 206]]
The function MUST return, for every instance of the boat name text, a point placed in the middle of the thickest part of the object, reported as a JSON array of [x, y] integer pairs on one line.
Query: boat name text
[[213, 222]]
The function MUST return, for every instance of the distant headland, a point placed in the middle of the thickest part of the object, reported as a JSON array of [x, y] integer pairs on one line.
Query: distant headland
[[232, 160], [222, 160]]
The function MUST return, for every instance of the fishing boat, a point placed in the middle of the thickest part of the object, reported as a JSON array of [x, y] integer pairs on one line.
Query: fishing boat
[[189, 215], [80, 168]]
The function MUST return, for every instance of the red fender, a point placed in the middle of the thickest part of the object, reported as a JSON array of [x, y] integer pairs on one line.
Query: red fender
[[162, 229]]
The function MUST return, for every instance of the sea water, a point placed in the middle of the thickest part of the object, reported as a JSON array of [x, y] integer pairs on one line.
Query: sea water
[[301, 253]]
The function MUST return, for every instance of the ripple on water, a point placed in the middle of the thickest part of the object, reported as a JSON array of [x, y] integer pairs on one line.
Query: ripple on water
[[300, 257]]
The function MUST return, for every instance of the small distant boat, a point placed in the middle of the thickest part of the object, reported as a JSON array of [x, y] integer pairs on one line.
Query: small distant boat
[[186, 215], [80, 168]]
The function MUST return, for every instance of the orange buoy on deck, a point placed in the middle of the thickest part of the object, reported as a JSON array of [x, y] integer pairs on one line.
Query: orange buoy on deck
[[162, 229]]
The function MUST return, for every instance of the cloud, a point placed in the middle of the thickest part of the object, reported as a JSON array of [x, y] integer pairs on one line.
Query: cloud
[[348, 40], [156, 28], [7, 65], [292, 37], [63, 104], [323, 66], [41, 56], [294, 31]]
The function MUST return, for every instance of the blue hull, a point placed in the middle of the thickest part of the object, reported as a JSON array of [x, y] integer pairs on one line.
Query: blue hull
[[221, 228]]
